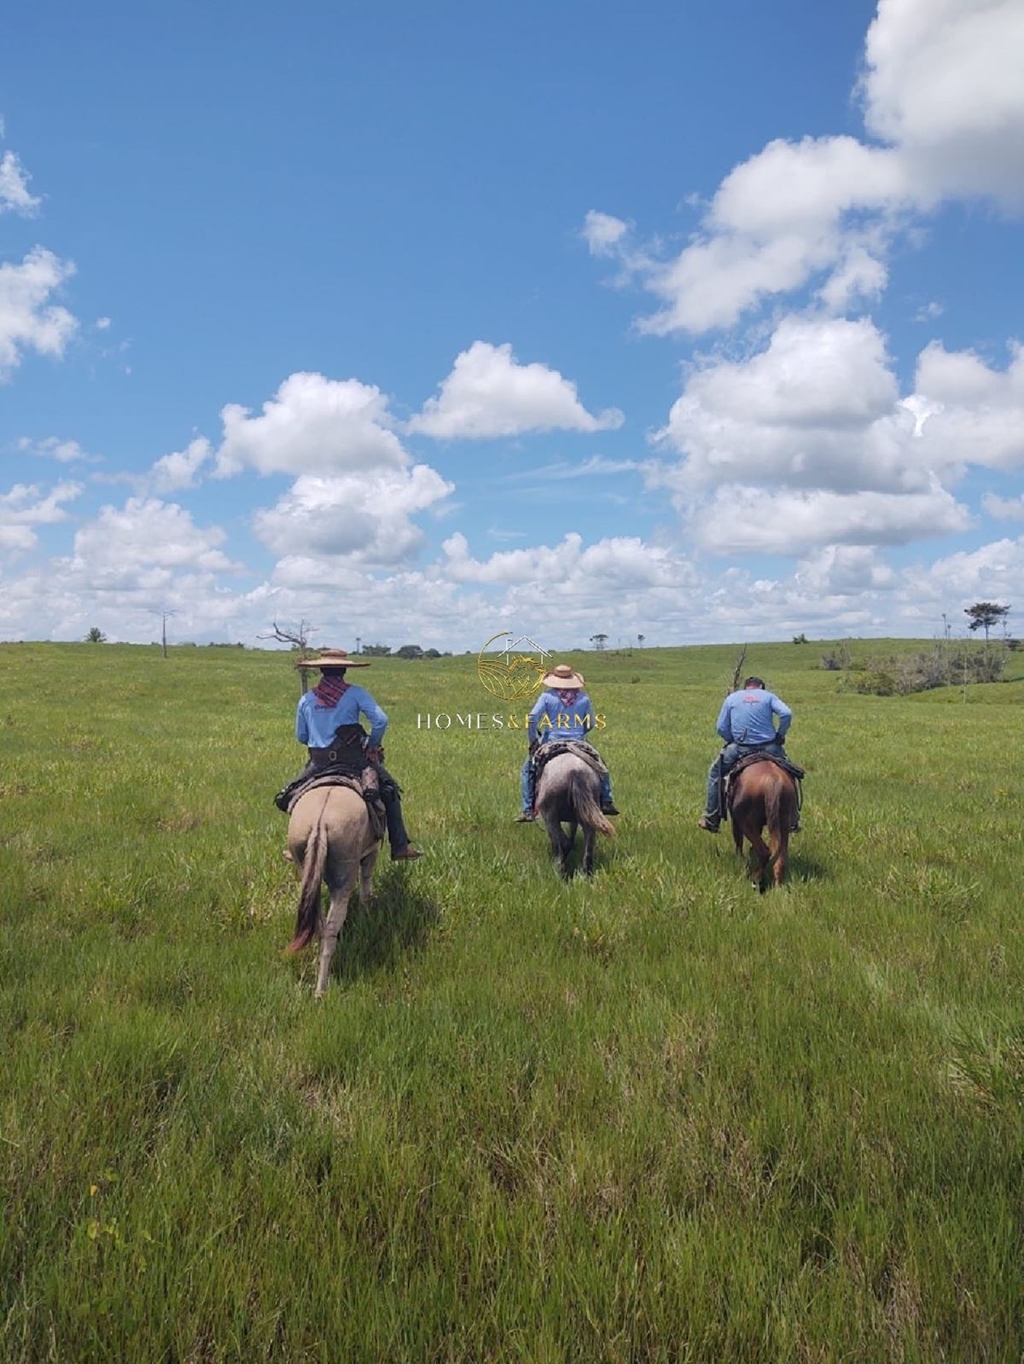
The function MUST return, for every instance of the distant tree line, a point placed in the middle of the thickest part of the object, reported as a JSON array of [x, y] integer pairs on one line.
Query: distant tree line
[[406, 651]]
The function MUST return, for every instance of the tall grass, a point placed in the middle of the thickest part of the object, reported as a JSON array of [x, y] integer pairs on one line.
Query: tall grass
[[652, 1116]]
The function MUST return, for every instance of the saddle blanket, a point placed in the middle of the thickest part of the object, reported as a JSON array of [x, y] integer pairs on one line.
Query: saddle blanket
[[760, 756], [578, 747]]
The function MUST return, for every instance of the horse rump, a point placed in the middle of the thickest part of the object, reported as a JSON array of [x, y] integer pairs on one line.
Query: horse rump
[[763, 795]]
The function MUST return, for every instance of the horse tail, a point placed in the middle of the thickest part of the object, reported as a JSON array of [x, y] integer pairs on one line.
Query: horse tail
[[313, 864], [588, 811]]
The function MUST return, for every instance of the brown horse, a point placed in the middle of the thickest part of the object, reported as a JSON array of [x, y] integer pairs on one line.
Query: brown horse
[[761, 794], [569, 792], [330, 839]]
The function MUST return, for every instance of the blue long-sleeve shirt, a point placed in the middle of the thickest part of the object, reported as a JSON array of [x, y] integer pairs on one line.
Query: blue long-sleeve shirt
[[746, 717], [315, 725], [550, 719]]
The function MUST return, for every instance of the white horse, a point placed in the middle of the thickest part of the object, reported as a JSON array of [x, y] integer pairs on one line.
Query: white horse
[[569, 792], [330, 840]]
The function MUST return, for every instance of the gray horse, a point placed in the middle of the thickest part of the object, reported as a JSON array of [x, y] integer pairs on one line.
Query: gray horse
[[569, 792], [330, 839]]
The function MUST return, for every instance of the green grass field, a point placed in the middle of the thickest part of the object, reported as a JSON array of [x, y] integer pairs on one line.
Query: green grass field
[[652, 1116]]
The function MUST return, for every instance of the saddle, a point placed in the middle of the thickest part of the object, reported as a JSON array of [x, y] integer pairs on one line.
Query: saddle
[[365, 783], [727, 784], [579, 748]]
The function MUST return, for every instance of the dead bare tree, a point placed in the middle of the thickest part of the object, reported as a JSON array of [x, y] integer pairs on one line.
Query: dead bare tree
[[737, 672], [298, 636]]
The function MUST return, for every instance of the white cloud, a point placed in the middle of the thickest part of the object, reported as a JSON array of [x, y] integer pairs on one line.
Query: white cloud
[[14, 195], [64, 451], [858, 277], [844, 570], [102, 324], [25, 506], [744, 519], [602, 232], [363, 516], [1003, 508], [976, 412], [488, 393], [607, 567], [595, 466], [143, 545], [942, 88], [818, 408], [992, 572], [803, 188], [28, 320], [790, 212], [810, 443], [943, 82], [177, 471], [312, 425]]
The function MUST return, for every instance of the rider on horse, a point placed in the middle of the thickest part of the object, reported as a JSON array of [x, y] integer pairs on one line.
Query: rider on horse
[[747, 724], [327, 722], [565, 712]]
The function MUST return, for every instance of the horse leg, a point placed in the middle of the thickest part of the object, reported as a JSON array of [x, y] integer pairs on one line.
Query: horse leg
[[589, 839], [761, 852], [779, 834], [741, 828], [570, 841], [332, 927], [737, 834], [366, 866], [781, 855], [559, 845]]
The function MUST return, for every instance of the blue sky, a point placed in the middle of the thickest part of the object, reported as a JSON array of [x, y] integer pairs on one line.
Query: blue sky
[[423, 322]]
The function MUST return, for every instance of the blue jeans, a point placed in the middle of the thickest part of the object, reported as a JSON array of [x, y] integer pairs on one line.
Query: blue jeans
[[728, 757], [527, 782]]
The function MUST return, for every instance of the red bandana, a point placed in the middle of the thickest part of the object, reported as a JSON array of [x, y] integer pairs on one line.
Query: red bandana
[[329, 692], [568, 697]]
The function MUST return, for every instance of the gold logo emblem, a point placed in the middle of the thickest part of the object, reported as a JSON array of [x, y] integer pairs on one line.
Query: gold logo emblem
[[513, 672]]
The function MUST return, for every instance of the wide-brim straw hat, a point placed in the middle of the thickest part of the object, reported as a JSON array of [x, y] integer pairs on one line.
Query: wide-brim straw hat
[[332, 658], [564, 678]]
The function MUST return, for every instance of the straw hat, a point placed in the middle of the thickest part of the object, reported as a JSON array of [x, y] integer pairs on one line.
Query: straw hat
[[332, 658], [564, 679]]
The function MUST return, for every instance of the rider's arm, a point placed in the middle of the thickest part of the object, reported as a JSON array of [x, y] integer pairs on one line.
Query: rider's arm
[[377, 717], [724, 725], [301, 721], [539, 709], [784, 713]]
